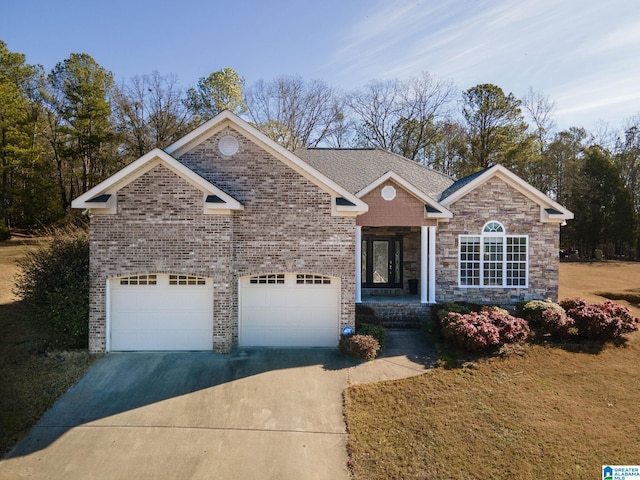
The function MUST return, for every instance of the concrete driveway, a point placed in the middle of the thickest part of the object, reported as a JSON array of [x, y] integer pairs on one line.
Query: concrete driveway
[[256, 413]]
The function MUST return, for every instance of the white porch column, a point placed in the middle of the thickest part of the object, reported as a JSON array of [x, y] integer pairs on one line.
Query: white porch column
[[424, 263], [358, 264], [432, 264]]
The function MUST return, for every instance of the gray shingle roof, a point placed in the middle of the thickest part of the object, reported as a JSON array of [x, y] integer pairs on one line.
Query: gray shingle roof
[[354, 169], [461, 183]]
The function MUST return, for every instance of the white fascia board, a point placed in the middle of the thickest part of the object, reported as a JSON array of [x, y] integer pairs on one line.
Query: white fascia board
[[426, 199], [518, 184], [443, 215], [347, 210], [562, 217], [226, 118], [142, 165]]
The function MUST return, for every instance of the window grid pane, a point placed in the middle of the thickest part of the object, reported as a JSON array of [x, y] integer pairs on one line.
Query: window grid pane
[[270, 279], [139, 280], [306, 279], [516, 261], [470, 261], [493, 261], [493, 258], [186, 280]]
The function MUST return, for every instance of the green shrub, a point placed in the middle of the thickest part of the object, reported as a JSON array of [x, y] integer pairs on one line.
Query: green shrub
[[376, 331], [5, 233], [362, 347], [532, 311], [55, 285], [366, 316], [442, 310], [454, 307], [364, 309]]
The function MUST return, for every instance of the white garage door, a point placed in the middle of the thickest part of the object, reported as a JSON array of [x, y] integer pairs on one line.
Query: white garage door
[[161, 312], [289, 310]]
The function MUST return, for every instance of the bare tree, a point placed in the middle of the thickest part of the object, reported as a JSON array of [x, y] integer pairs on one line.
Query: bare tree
[[293, 112], [425, 101], [150, 113], [377, 108], [342, 129], [627, 158], [540, 111], [402, 117]]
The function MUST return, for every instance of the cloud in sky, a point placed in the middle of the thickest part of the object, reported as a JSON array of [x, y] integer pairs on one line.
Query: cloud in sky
[[582, 54]]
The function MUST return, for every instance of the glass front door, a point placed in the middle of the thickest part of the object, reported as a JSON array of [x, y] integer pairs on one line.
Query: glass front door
[[382, 262]]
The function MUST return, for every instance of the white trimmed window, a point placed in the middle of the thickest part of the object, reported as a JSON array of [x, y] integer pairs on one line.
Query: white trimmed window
[[493, 259], [302, 278], [270, 279], [139, 280], [186, 280]]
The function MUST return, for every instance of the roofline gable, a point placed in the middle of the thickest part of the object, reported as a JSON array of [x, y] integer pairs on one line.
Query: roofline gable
[[225, 118], [518, 184], [442, 211], [141, 166]]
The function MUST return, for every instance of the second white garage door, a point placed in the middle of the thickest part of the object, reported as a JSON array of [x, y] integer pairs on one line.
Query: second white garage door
[[289, 310], [161, 312]]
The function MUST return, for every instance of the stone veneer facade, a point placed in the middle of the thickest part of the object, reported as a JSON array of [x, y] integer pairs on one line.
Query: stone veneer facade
[[160, 227], [496, 200]]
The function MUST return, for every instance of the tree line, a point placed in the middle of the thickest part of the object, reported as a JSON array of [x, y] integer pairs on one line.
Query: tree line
[[64, 131]]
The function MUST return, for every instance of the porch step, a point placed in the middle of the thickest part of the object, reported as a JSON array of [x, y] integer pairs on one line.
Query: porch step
[[400, 314]]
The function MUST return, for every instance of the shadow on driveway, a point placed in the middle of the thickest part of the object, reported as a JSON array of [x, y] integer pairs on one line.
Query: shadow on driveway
[[255, 413], [123, 382]]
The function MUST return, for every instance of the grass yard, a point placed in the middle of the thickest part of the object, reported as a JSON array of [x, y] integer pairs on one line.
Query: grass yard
[[546, 412], [32, 376]]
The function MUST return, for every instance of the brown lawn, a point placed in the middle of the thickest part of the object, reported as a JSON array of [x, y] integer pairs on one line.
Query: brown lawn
[[548, 412], [597, 282]]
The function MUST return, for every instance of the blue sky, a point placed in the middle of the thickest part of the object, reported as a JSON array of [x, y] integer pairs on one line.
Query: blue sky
[[583, 54]]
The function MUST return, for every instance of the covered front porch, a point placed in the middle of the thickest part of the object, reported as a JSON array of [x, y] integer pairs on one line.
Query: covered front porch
[[396, 244], [396, 264]]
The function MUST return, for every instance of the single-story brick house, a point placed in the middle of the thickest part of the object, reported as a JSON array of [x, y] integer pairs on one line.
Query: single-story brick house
[[225, 238]]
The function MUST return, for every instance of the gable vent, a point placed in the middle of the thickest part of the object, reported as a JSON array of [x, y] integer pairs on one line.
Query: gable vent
[[228, 145]]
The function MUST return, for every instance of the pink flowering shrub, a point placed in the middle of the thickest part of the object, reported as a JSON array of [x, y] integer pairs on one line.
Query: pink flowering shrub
[[471, 331], [600, 321], [511, 329], [571, 303], [478, 331], [555, 322]]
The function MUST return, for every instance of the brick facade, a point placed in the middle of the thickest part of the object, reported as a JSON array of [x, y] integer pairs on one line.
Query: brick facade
[[160, 227], [496, 200], [287, 226]]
